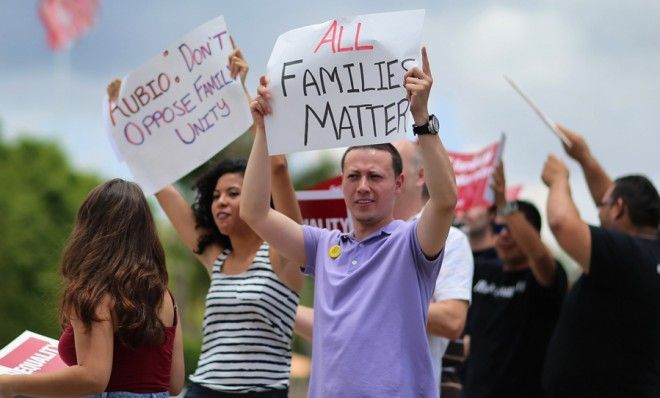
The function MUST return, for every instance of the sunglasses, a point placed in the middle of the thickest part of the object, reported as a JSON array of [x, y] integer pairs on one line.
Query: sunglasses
[[498, 228]]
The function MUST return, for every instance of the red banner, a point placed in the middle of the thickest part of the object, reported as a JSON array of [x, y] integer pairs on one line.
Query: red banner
[[473, 175], [66, 20]]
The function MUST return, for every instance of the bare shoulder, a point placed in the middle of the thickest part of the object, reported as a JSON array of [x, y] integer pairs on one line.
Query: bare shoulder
[[167, 310]]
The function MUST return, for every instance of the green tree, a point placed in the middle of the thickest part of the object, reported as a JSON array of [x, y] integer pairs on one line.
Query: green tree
[[41, 193]]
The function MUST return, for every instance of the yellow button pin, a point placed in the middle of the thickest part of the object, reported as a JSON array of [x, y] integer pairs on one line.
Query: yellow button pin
[[334, 252]]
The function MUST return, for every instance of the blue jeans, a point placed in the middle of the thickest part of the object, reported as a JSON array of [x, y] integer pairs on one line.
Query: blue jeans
[[125, 394]]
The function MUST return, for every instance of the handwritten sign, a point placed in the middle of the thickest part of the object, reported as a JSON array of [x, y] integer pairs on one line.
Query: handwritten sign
[[473, 173], [340, 83], [179, 109], [30, 353]]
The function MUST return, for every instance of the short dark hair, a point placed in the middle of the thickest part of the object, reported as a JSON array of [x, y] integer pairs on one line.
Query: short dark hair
[[397, 163], [205, 185], [641, 199], [531, 213]]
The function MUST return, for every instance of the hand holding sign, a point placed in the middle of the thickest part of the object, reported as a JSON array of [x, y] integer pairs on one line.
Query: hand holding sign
[[499, 185], [418, 87], [237, 64], [577, 147], [260, 105]]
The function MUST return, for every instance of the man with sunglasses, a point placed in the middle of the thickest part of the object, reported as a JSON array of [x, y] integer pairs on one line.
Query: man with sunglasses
[[607, 340], [514, 306]]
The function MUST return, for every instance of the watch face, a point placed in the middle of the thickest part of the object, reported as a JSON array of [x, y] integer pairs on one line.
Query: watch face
[[435, 124]]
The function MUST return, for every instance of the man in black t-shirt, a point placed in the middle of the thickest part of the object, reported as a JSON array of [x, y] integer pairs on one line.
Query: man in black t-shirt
[[514, 306], [607, 340]]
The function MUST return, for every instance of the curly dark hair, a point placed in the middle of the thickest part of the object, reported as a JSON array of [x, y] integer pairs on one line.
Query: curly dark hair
[[204, 186], [114, 250]]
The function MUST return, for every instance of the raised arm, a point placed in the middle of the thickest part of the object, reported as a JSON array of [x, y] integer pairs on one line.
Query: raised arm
[[438, 213], [284, 199], [280, 231], [182, 217], [571, 232], [597, 179], [523, 233], [89, 376], [284, 195]]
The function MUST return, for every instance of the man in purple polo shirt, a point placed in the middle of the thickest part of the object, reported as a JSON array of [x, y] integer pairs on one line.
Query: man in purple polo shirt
[[373, 286]]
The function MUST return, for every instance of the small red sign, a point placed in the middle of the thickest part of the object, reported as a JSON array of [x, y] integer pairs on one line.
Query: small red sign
[[30, 353]]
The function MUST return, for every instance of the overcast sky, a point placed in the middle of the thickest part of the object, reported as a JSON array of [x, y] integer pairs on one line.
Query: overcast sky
[[592, 65]]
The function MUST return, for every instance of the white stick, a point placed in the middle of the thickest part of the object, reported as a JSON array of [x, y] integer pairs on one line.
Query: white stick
[[548, 122]]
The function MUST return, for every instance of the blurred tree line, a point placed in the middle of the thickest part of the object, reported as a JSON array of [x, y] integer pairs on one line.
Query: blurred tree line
[[41, 193]]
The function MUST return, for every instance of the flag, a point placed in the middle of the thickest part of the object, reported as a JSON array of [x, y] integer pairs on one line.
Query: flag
[[66, 20], [473, 173]]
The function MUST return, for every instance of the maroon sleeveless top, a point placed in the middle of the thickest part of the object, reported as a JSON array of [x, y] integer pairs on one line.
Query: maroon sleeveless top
[[144, 369]]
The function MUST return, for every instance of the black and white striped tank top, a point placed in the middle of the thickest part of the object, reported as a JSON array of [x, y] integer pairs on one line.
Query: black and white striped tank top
[[248, 326]]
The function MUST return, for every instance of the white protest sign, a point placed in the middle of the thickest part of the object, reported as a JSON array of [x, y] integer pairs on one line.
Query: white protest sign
[[340, 83], [179, 109]]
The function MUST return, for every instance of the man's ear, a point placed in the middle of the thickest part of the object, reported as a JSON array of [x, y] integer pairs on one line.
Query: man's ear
[[619, 208], [419, 181], [398, 183]]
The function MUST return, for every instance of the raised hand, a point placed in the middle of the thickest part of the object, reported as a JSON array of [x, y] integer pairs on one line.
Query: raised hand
[[418, 84], [499, 185], [260, 105], [554, 170], [237, 64], [579, 150], [113, 90]]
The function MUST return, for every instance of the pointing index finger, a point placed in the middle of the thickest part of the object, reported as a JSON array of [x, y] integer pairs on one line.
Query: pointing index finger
[[426, 68]]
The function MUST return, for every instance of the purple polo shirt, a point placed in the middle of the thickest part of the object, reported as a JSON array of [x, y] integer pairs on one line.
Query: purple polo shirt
[[370, 311]]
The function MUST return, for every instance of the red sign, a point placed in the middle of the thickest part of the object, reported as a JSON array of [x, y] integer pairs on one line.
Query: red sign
[[473, 173], [323, 206], [30, 353]]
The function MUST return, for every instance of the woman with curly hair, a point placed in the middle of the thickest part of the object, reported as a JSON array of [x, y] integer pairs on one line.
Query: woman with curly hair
[[251, 303], [121, 333]]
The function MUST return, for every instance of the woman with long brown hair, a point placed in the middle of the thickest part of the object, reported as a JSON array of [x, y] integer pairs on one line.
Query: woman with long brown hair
[[121, 331]]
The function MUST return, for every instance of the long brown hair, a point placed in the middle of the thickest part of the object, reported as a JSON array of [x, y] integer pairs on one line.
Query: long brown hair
[[114, 249]]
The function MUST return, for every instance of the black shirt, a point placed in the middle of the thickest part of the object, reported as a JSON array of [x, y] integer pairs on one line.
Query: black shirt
[[607, 340], [485, 255], [511, 320]]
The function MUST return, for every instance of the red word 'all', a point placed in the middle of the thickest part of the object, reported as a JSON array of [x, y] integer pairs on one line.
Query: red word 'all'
[[334, 38]]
